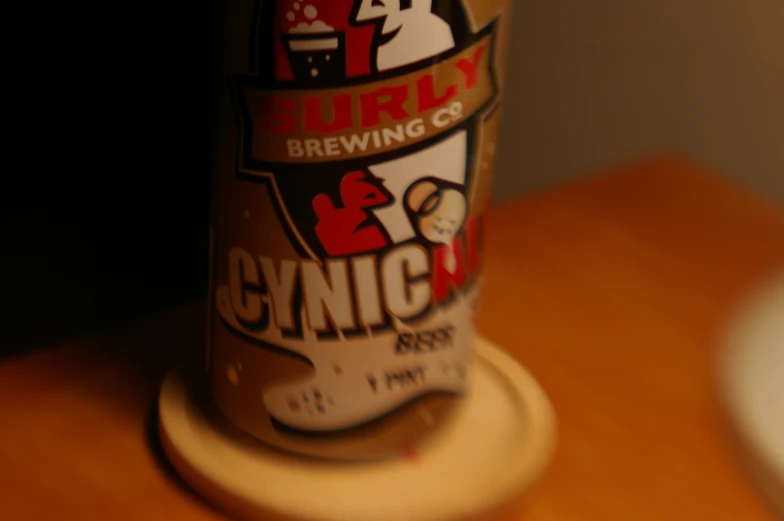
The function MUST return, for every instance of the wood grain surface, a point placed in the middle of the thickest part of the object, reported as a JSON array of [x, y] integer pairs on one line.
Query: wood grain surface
[[614, 293]]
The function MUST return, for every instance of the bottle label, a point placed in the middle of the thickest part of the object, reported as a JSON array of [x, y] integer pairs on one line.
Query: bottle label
[[364, 120]]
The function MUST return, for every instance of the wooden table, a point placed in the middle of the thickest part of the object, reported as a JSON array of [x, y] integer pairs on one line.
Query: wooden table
[[612, 292]]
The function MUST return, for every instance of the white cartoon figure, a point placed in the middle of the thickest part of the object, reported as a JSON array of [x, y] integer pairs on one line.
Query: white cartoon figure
[[411, 31], [445, 161], [440, 212]]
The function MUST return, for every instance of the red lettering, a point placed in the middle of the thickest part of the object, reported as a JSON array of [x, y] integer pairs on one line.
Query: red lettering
[[469, 67], [373, 106], [444, 280], [314, 114], [279, 121], [426, 89]]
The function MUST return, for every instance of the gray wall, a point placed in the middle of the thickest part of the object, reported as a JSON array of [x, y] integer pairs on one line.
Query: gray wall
[[597, 83]]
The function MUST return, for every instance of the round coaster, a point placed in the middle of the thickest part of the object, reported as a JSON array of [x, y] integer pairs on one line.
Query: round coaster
[[496, 445], [753, 385]]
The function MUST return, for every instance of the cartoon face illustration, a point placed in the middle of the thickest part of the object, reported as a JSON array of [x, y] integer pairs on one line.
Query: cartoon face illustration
[[411, 32], [358, 191], [388, 9], [439, 212], [347, 228]]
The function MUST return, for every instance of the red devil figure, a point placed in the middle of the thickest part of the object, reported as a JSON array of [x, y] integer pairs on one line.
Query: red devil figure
[[350, 229]]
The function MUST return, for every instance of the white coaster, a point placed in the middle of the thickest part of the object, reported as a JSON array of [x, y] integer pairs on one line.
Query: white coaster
[[497, 445], [753, 385]]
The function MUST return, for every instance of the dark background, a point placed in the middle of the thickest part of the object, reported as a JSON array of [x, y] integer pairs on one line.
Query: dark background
[[109, 116]]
